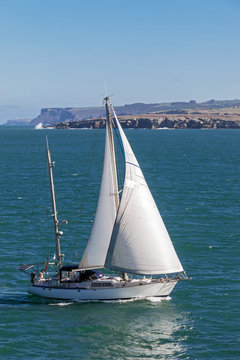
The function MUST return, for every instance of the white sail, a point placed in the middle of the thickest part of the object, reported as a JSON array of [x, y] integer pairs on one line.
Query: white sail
[[140, 242], [98, 243]]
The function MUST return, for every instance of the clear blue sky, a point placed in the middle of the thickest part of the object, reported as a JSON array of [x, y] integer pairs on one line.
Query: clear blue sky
[[58, 53]]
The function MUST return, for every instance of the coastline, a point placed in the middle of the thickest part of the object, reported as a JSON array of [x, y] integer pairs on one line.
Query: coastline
[[190, 120]]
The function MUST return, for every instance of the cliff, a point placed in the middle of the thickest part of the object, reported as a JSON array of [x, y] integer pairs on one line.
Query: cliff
[[18, 122], [50, 116], [171, 120]]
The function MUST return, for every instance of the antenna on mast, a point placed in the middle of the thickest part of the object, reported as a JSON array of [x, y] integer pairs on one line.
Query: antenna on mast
[[106, 96], [105, 88]]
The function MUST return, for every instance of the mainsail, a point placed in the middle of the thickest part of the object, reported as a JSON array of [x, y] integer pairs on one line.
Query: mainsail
[[98, 243]]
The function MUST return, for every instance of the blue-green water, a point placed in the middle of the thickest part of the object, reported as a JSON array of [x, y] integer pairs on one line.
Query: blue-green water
[[194, 176]]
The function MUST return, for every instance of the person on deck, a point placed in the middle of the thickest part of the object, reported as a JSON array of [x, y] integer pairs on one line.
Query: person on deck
[[41, 274]]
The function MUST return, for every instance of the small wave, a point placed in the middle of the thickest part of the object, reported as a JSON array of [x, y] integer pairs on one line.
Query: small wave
[[62, 304], [9, 297], [79, 129], [158, 299], [165, 128]]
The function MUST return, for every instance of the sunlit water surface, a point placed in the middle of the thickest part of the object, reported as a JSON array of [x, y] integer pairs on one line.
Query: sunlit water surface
[[194, 177]]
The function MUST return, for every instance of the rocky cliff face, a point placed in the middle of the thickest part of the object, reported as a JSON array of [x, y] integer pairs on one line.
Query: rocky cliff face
[[50, 115], [155, 123]]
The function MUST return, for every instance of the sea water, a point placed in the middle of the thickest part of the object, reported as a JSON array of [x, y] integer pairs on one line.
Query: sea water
[[194, 176]]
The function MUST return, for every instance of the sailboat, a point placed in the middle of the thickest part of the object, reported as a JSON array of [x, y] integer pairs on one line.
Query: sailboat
[[128, 238]]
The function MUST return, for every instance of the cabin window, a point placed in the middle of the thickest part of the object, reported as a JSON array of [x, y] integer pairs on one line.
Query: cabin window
[[98, 284], [104, 284]]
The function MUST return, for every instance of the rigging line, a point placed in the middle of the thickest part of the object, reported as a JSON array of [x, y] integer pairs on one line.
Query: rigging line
[[121, 170], [120, 158], [85, 183], [90, 165], [120, 164], [115, 126], [117, 132], [127, 162]]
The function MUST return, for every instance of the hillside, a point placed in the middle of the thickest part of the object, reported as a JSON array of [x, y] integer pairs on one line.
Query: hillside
[[50, 116], [23, 122], [226, 118]]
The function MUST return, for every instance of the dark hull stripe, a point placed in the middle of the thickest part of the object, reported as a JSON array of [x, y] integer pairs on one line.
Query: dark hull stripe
[[114, 299]]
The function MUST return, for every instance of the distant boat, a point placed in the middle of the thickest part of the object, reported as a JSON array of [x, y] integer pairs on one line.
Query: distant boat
[[39, 126], [128, 237]]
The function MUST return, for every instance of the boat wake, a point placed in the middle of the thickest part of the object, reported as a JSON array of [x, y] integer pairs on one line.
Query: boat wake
[[62, 304], [158, 299], [152, 299]]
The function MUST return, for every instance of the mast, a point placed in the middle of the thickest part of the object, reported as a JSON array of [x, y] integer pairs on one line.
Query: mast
[[109, 127], [54, 208]]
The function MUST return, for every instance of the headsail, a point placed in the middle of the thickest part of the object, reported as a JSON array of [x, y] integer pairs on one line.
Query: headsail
[[140, 242], [98, 243]]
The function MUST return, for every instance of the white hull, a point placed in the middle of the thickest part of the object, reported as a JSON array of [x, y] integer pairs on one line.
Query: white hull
[[128, 290]]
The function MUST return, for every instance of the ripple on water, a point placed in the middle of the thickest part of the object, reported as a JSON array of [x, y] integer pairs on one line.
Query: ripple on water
[[194, 177]]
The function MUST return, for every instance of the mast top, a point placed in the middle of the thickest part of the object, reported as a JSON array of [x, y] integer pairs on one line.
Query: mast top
[[107, 98]]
